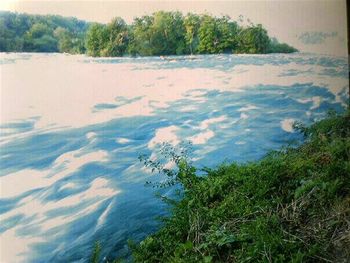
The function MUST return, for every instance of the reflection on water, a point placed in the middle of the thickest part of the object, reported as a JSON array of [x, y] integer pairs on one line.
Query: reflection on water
[[72, 128]]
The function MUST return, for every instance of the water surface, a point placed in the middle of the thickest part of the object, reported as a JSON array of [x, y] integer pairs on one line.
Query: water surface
[[72, 128]]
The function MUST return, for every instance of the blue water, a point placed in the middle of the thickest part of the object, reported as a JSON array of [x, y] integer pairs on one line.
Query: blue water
[[68, 182]]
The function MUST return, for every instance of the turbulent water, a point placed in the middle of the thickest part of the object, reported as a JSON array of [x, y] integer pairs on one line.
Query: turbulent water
[[72, 128]]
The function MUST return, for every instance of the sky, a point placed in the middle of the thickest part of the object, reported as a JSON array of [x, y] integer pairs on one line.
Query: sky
[[318, 26]]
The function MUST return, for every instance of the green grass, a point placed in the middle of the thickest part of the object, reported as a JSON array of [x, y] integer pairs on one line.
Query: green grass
[[291, 206]]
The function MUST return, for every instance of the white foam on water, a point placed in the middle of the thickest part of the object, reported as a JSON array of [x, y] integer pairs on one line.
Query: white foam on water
[[67, 163], [248, 108], [68, 185], [22, 181], [166, 134], [307, 100], [122, 140], [63, 91], [202, 137], [250, 75], [244, 116], [8, 130], [206, 123], [197, 93], [287, 125], [33, 205], [102, 219], [170, 165], [204, 133], [91, 135], [188, 108], [15, 247], [41, 90], [316, 102]]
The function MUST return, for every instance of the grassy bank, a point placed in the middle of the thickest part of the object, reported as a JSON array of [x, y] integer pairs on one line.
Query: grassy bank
[[291, 206]]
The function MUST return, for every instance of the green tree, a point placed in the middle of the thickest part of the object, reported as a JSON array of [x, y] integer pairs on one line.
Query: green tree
[[228, 31], [192, 23], [163, 33], [276, 47], [64, 37], [141, 31], [208, 35], [40, 39], [167, 36], [217, 35], [117, 31], [160, 34], [96, 39], [253, 40], [38, 30], [35, 33]]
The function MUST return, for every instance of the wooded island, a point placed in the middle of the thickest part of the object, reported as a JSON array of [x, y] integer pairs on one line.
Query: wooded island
[[162, 33]]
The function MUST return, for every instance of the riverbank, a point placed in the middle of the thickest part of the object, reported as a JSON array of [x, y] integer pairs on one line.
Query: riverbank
[[292, 206]]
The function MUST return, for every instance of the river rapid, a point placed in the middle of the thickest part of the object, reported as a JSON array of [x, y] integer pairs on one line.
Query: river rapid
[[72, 128]]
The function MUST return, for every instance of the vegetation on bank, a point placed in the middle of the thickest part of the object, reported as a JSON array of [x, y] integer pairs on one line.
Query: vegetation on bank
[[171, 33], [291, 206], [37, 33], [162, 33]]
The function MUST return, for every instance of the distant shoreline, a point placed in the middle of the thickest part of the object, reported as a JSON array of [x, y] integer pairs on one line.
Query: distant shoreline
[[160, 34], [160, 56]]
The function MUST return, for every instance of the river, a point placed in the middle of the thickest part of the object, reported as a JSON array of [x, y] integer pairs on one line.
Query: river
[[72, 128]]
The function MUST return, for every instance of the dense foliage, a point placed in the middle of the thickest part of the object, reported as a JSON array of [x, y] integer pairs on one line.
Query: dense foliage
[[107, 40], [163, 33], [291, 206], [171, 33], [36, 33]]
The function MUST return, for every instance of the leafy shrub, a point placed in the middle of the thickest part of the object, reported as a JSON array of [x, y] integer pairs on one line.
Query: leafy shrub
[[291, 206]]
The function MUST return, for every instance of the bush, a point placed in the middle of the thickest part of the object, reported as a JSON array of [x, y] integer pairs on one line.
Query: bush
[[291, 206]]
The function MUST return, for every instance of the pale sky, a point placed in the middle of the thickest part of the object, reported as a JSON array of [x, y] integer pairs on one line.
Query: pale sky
[[309, 25]]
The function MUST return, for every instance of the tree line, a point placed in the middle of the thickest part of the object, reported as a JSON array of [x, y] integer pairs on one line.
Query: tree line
[[37, 33], [162, 33]]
